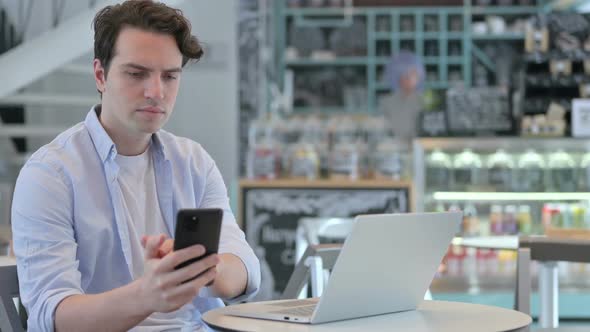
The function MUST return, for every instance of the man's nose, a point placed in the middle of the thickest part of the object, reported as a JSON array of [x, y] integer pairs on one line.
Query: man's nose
[[154, 88]]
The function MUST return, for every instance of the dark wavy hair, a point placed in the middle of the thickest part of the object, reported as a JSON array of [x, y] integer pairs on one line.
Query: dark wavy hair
[[146, 15]]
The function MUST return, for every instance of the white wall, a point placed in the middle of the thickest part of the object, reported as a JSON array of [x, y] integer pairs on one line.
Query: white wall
[[207, 106]]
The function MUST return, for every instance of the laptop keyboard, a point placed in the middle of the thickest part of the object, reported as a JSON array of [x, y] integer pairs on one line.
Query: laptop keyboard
[[295, 303], [296, 307], [298, 311]]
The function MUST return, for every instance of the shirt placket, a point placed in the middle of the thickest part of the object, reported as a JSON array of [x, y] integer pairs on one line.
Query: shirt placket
[[163, 172], [112, 172]]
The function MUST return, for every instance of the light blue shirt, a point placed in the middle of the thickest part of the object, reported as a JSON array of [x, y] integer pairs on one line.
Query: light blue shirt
[[68, 218]]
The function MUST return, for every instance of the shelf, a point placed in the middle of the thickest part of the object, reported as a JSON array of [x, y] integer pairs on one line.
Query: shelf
[[504, 10], [324, 183], [435, 60], [549, 81], [500, 242], [383, 35], [437, 35], [428, 85], [538, 57], [342, 61], [508, 143], [509, 196], [327, 11], [319, 109], [504, 36]]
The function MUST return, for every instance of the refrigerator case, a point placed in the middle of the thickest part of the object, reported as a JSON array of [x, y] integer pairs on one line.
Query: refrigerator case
[[548, 186]]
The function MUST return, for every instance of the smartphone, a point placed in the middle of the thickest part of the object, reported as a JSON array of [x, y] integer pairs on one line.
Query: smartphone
[[198, 226]]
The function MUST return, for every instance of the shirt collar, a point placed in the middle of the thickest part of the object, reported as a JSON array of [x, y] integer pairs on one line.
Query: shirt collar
[[104, 144]]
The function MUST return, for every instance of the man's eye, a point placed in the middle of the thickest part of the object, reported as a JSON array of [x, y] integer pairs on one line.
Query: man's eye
[[135, 74], [170, 77]]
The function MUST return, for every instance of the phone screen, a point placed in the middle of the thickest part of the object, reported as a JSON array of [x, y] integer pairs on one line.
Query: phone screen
[[198, 226]]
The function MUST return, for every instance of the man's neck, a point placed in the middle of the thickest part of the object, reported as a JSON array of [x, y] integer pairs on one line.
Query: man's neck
[[126, 143], [130, 146]]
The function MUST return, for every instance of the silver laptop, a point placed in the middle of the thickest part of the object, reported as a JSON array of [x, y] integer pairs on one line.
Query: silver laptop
[[386, 265]]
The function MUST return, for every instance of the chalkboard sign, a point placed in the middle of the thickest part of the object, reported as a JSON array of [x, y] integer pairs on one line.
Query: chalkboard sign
[[480, 111], [270, 217]]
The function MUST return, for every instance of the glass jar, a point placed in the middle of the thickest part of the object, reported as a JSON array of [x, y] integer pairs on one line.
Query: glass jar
[[263, 158], [391, 160], [438, 170], [530, 173], [263, 161], [304, 162], [562, 172], [344, 161], [500, 167], [466, 170], [584, 173]]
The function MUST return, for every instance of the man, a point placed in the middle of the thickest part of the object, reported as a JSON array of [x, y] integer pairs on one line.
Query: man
[[88, 207]]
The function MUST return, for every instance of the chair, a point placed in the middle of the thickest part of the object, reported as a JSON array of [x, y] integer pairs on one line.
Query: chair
[[547, 251], [315, 231], [11, 320], [314, 260], [312, 232]]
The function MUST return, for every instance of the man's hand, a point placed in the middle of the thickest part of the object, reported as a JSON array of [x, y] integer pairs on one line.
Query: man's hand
[[166, 247], [161, 286]]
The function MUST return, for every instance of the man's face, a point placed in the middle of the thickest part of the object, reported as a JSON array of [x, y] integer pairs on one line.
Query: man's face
[[409, 81], [140, 88]]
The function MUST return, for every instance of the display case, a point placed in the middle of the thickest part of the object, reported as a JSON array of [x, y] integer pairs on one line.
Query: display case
[[506, 187]]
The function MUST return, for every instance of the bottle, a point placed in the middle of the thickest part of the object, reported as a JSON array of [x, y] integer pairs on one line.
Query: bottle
[[524, 219], [500, 170], [578, 213], [510, 225], [472, 223], [496, 220]]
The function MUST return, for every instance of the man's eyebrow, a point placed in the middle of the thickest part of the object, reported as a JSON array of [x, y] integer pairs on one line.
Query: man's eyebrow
[[140, 67]]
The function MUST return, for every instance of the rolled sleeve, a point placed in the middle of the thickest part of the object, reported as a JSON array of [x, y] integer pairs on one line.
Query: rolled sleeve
[[44, 243], [232, 240]]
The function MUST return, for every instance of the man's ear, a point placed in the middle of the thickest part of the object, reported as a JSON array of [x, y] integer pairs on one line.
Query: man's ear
[[100, 76]]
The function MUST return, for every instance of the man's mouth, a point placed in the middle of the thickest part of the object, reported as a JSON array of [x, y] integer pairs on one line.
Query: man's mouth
[[151, 109]]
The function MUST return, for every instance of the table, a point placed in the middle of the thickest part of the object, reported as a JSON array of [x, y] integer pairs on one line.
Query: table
[[430, 316], [547, 251]]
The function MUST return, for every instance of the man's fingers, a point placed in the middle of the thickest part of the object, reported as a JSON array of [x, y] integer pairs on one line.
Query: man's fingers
[[188, 272], [152, 244], [166, 248], [192, 287], [177, 257]]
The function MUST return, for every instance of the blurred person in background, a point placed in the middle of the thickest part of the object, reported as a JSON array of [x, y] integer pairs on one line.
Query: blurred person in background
[[406, 74]]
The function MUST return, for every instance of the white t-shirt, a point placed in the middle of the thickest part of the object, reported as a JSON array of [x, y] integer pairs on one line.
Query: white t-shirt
[[144, 217]]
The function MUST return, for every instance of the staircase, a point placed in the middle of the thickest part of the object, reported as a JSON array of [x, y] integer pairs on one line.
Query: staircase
[[46, 85], [49, 86]]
